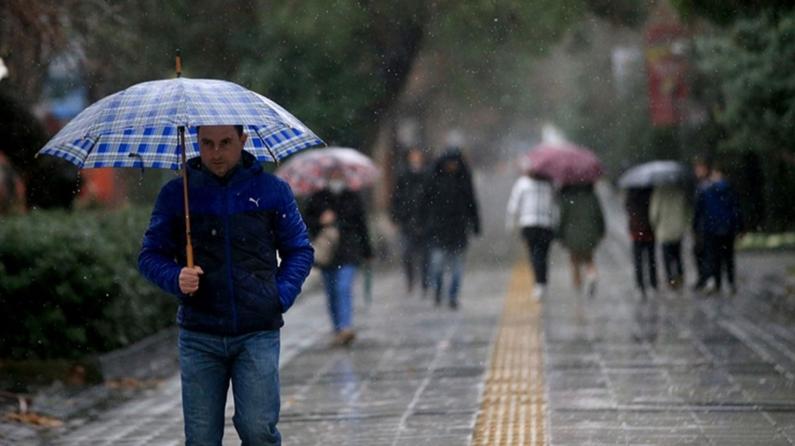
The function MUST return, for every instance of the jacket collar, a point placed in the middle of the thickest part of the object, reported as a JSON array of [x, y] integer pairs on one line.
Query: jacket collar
[[245, 169]]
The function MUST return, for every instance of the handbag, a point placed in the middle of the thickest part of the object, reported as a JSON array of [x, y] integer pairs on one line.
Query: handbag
[[325, 244]]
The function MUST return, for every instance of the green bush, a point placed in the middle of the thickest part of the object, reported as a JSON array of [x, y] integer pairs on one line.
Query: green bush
[[69, 285]]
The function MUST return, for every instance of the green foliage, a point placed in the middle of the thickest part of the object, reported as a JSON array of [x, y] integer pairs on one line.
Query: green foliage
[[725, 12], [69, 284], [752, 65]]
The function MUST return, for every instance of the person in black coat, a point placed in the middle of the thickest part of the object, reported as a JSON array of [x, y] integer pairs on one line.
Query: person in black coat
[[451, 215], [336, 205], [406, 210]]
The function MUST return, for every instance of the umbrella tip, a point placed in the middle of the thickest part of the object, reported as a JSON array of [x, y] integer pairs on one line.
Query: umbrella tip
[[179, 63]]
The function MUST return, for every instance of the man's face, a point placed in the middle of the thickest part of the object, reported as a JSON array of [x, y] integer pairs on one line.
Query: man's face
[[701, 170], [416, 160], [220, 147]]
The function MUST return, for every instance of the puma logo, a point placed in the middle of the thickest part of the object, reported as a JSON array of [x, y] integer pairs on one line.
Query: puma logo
[[251, 199]]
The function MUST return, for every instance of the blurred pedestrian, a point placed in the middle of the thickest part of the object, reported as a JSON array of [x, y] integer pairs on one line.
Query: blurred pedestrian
[[718, 214], [12, 189], [406, 209], [670, 214], [451, 214], [232, 300], [642, 236], [343, 208], [533, 207], [702, 168], [582, 227]]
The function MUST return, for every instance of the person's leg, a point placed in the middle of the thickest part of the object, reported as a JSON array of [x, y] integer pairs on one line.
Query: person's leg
[[535, 240], [730, 272], [668, 263], [204, 371], [330, 279], [576, 277], [345, 278], [699, 253], [437, 273], [676, 261], [637, 256], [649, 248], [541, 254], [425, 265], [456, 262], [409, 257], [712, 259], [591, 275], [255, 385]]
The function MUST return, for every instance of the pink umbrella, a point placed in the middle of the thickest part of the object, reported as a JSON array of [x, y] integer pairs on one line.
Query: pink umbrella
[[563, 163], [308, 172]]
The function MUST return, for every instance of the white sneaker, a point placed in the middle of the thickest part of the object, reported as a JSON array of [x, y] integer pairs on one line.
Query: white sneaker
[[538, 292], [590, 286]]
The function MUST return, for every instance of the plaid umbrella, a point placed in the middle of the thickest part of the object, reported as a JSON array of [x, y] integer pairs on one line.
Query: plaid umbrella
[[563, 163], [138, 126], [146, 124], [309, 171]]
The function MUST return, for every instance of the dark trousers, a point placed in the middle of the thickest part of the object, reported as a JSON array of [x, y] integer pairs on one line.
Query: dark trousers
[[719, 250], [416, 261], [538, 240], [672, 256], [641, 249], [700, 257]]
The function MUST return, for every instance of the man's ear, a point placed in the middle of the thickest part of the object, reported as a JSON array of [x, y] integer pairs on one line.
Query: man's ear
[[243, 139]]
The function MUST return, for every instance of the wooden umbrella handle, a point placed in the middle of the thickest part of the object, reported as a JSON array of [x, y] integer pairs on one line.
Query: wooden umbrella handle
[[189, 245], [179, 63]]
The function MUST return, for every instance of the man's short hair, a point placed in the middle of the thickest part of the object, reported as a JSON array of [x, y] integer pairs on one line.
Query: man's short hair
[[238, 128]]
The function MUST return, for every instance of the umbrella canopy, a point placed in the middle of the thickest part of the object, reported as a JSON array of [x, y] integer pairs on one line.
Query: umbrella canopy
[[309, 171], [655, 173], [563, 163], [137, 127], [147, 125]]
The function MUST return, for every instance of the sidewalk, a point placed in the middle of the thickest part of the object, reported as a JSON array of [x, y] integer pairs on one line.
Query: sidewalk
[[673, 369], [412, 377], [676, 368]]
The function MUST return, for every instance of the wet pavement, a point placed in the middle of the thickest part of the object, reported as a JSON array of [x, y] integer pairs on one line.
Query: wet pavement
[[672, 369]]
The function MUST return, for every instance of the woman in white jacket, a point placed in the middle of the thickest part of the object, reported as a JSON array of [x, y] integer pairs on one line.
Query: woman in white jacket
[[533, 208]]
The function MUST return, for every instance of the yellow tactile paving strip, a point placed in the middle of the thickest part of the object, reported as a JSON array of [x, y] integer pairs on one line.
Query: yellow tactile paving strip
[[513, 410]]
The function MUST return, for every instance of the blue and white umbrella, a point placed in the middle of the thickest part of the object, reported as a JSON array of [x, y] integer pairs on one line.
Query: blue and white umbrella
[[153, 124], [138, 126]]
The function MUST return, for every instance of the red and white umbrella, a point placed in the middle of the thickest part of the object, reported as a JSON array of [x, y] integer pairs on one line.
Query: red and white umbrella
[[309, 171], [563, 163]]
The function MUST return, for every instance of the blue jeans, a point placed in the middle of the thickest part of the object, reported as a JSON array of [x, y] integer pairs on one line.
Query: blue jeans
[[339, 291], [208, 363], [445, 260]]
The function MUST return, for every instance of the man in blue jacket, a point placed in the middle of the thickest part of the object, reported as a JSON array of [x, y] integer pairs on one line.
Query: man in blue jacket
[[231, 302]]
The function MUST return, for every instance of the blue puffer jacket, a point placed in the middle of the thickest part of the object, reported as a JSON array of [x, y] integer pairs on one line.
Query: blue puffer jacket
[[238, 225], [717, 210]]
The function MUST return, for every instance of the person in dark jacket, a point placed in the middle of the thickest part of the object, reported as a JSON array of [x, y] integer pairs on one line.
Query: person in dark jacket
[[451, 215], [702, 168], [718, 217], [339, 206], [231, 302], [642, 235], [406, 210]]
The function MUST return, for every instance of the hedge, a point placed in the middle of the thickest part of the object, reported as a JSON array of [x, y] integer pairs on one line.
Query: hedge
[[69, 285]]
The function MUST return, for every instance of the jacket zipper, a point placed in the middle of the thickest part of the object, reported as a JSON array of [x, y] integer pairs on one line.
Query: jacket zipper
[[228, 249]]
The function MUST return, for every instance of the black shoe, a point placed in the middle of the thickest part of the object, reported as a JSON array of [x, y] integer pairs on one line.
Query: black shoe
[[453, 304]]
